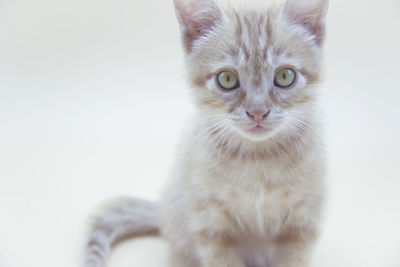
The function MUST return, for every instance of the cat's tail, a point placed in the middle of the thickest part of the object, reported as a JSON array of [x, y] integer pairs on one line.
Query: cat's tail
[[120, 219]]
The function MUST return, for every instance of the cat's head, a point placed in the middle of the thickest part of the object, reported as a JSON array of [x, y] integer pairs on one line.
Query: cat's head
[[254, 71]]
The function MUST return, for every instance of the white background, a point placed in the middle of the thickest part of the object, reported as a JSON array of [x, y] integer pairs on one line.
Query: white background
[[92, 102]]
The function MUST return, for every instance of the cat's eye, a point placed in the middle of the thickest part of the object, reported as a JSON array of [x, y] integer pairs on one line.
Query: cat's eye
[[285, 78], [227, 80]]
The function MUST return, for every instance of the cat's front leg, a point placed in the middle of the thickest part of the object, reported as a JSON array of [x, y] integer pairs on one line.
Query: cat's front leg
[[294, 246], [217, 251], [214, 235]]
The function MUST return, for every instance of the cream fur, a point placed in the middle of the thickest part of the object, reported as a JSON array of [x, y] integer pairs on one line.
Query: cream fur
[[239, 198]]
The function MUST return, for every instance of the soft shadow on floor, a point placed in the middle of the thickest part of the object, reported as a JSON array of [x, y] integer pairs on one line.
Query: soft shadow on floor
[[141, 252]]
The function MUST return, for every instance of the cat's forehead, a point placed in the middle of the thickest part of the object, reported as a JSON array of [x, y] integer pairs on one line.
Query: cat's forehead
[[255, 34], [249, 45], [255, 43], [252, 31]]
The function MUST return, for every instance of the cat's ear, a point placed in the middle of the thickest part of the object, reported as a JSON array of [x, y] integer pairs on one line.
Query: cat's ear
[[309, 13], [197, 18]]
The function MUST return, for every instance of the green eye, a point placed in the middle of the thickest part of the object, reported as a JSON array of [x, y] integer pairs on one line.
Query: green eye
[[227, 80], [285, 78]]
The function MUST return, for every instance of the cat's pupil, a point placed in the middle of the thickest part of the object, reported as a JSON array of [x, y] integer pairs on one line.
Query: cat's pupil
[[284, 76], [228, 78]]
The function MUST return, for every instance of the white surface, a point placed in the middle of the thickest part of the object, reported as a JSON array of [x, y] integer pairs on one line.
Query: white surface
[[92, 101]]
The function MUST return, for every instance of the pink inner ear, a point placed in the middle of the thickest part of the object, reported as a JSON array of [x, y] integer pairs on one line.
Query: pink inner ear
[[197, 18], [310, 14], [195, 30]]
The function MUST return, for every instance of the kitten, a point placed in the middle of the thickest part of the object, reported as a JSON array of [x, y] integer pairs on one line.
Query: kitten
[[248, 184]]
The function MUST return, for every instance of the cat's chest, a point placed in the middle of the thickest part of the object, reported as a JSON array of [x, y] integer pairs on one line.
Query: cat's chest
[[257, 203], [259, 198], [258, 216], [259, 208]]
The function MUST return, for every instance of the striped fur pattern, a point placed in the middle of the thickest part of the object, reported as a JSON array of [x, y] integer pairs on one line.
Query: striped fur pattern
[[116, 221], [239, 197]]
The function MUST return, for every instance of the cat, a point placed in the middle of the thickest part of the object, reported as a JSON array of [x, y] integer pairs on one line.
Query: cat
[[248, 184]]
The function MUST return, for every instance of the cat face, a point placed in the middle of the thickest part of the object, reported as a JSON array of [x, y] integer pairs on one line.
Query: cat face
[[254, 70]]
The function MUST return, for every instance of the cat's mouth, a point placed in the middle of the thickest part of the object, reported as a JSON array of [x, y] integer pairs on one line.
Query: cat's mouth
[[258, 132], [259, 129]]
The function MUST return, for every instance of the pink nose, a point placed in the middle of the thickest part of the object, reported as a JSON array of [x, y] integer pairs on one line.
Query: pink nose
[[258, 115]]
